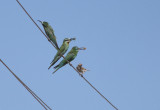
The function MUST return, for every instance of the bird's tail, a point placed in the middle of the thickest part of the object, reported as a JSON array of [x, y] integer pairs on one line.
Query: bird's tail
[[52, 61], [50, 66], [56, 45], [57, 68], [55, 60]]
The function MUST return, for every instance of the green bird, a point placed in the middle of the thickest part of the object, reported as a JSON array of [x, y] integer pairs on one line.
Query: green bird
[[63, 49], [50, 33], [70, 56]]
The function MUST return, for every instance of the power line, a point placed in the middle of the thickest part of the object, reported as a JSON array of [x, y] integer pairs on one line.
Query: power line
[[66, 59], [45, 106]]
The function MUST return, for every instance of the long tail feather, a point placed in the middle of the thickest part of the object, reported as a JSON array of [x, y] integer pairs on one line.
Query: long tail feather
[[55, 60], [50, 66], [57, 46], [56, 67], [55, 70], [52, 61]]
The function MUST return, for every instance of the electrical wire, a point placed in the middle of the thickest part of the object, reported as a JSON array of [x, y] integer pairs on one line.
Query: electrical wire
[[65, 59], [45, 106]]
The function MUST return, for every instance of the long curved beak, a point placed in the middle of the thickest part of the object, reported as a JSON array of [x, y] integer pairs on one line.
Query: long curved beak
[[72, 39], [82, 48], [40, 21]]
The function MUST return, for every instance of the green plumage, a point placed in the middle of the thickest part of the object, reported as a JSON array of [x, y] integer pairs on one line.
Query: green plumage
[[63, 49], [50, 33], [70, 56]]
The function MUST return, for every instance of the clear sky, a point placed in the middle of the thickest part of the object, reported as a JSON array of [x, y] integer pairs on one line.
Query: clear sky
[[122, 38]]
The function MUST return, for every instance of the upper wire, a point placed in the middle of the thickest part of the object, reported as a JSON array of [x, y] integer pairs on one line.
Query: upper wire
[[66, 59]]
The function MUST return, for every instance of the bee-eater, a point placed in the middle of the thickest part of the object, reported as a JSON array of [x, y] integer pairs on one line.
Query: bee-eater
[[70, 56], [81, 69], [63, 49], [50, 33]]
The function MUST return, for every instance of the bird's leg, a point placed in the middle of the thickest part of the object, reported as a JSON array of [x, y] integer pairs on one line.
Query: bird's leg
[[49, 39], [70, 64], [81, 74]]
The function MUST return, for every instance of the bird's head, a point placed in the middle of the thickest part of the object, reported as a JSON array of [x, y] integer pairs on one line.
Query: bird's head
[[45, 24], [79, 64], [68, 40], [75, 48]]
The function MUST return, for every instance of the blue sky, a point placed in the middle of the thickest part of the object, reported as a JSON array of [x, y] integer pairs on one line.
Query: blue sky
[[122, 40]]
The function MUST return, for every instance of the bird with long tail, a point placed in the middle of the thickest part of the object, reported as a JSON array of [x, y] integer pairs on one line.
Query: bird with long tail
[[63, 49], [70, 57], [50, 33]]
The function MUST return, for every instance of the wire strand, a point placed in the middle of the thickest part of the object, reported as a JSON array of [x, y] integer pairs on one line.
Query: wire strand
[[38, 98], [35, 95], [65, 58], [28, 89]]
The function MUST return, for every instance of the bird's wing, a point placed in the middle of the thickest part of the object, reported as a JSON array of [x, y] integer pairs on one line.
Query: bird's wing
[[59, 53], [52, 32], [69, 57], [62, 50], [51, 29]]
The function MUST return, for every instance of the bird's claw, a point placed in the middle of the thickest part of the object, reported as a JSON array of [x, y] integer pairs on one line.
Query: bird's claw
[[81, 75], [49, 40]]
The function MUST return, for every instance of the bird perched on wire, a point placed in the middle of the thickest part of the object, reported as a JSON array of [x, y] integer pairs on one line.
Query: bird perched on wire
[[70, 56], [63, 49], [81, 69], [50, 33]]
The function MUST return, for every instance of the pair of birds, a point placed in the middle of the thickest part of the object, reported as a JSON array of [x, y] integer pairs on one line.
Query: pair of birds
[[62, 50]]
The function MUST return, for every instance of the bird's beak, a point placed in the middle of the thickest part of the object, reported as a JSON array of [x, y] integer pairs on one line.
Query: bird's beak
[[40, 21], [82, 48], [72, 39]]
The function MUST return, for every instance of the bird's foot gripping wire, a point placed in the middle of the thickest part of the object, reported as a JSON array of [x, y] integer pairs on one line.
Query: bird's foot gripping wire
[[81, 75], [70, 64], [49, 40]]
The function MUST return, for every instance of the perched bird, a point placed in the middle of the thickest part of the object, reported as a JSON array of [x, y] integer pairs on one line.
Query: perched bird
[[50, 33], [70, 56], [81, 69], [63, 49]]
